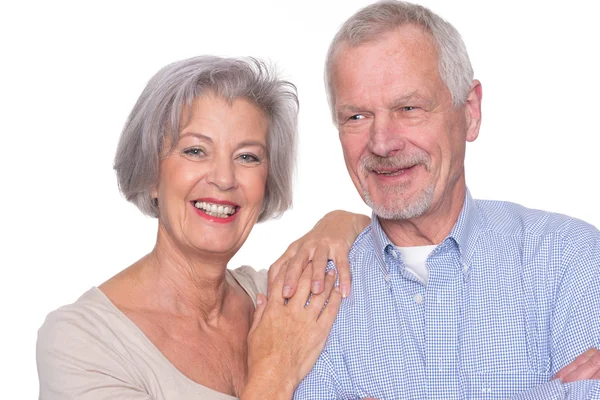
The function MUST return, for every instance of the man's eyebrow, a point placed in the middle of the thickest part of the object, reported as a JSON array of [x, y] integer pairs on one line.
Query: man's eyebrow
[[347, 109], [406, 99], [397, 102]]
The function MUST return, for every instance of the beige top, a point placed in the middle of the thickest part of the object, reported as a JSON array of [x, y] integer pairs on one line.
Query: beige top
[[90, 350]]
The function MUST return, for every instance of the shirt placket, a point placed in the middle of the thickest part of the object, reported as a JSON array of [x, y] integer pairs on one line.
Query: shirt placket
[[408, 294], [442, 322]]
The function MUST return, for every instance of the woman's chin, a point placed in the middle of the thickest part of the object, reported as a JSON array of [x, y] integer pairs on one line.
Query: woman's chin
[[209, 245]]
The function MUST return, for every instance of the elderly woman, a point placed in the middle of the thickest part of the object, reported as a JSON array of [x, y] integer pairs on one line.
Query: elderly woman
[[208, 150]]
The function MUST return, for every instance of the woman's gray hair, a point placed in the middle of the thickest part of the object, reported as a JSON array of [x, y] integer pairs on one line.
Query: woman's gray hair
[[158, 111], [378, 18]]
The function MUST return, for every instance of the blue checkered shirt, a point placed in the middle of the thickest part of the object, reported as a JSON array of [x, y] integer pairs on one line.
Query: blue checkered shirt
[[513, 296]]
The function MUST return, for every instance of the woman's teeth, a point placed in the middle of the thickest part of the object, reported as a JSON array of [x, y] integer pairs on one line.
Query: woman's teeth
[[215, 210]]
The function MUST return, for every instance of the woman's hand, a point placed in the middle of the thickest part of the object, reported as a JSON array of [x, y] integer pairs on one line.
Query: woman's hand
[[330, 239], [287, 336]]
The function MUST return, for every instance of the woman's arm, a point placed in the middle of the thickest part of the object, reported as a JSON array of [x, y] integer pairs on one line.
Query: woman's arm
[[287, 336], [330, 239]]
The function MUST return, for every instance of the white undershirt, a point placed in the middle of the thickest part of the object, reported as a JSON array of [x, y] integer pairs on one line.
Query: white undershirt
[[414, 260]]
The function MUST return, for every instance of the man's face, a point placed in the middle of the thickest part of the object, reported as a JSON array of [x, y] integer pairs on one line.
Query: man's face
[[403, 141]]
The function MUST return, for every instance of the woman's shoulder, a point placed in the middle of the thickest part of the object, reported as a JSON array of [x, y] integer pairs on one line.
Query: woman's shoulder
[[84, 315], [80, 338], [91, 325], [251, 280]]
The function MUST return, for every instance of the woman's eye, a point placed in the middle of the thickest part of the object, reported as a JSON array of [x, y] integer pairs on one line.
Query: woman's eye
[[408, 108], [194, 151], [249, 158]]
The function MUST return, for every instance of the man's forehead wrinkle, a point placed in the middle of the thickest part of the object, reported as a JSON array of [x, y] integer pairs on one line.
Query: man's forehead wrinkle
[[388, 100]]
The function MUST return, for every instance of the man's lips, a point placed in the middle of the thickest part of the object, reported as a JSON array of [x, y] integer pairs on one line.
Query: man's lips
[[391, 171]]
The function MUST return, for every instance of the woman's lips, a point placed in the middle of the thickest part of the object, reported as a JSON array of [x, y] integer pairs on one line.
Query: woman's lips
[[216, 210]]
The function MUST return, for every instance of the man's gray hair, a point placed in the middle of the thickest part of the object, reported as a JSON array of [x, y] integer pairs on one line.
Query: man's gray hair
[[369, 23], [170, 92]]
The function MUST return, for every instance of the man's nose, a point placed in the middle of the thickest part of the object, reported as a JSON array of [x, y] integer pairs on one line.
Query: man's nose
[[387, 137]]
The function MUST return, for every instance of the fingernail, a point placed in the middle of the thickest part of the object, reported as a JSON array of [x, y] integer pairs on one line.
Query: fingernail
[[336, 288], [286, 290], [259, 300], [345, 290], [316, 287]]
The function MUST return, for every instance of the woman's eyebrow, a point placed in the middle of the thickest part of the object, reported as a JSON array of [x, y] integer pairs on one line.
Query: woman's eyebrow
[[196, 135], [247, 143]]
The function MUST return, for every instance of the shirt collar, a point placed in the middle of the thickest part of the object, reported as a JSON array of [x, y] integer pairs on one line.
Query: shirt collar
[[381, 242], [465, 234], [467, 229]]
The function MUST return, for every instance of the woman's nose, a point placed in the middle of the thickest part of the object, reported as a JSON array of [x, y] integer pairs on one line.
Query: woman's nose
[[222, 174]]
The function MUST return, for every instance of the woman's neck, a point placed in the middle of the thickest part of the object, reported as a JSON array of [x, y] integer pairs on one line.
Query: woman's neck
[[184, 284], [187, 286]]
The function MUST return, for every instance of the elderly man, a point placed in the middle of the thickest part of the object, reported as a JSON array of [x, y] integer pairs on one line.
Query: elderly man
[[452, 298]]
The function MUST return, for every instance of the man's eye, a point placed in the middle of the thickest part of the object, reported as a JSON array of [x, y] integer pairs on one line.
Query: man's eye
[[356, 117], [408, 108]]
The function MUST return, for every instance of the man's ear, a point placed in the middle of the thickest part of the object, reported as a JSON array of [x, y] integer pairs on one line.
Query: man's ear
[[473, 110]]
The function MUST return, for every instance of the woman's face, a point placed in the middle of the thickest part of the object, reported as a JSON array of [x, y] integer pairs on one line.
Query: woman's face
[[212, 184]]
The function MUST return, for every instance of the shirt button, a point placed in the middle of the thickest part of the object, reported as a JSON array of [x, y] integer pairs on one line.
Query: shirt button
[[394, 254], [418, 298]]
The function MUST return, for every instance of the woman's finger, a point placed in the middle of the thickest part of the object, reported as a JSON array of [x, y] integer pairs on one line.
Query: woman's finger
[[317, 302], [295, 267], [343, 270], [328, 315], [303, 291], [273, 272], [282, 262], [261, 305], [277, 287], [319, 264]]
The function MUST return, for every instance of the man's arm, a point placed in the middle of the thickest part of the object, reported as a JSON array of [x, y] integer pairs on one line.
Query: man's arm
[[575, 335], [320, 383]]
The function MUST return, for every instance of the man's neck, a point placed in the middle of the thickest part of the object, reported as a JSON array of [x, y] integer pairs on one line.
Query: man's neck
[[432, 227]]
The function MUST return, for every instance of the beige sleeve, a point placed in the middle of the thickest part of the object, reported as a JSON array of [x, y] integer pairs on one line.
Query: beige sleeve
[[74, 363], [251, 280]]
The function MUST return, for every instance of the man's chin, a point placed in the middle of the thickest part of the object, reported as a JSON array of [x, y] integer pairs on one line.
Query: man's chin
[[400, 208]]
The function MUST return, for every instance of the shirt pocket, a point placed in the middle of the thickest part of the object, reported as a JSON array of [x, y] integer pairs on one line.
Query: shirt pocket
[[502, 385]]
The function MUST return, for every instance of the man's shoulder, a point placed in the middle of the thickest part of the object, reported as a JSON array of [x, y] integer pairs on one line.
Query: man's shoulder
[[511, 219], [364, 242]]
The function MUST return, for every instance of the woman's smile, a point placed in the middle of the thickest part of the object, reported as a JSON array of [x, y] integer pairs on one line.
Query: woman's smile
[[214, 210]]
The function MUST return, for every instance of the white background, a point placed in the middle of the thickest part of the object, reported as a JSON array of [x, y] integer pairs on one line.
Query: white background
[[70, 73]]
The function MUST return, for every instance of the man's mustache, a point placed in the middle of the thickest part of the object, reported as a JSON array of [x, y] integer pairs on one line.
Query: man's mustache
[[372, 162]]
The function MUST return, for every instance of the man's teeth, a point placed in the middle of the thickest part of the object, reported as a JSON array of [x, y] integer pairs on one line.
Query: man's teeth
[[398, 171], [215, 210]]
